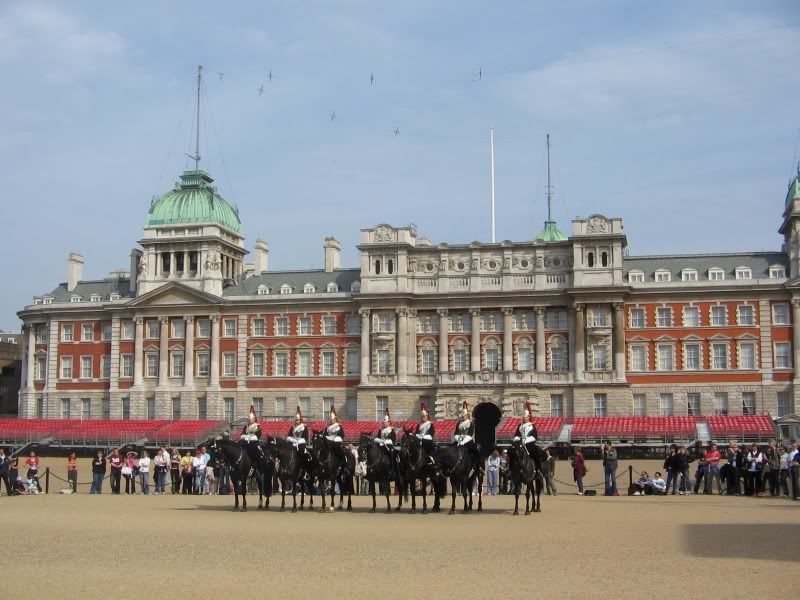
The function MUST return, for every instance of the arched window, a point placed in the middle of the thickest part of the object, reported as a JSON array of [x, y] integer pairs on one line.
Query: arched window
[[286, 289], [309, 288], [263, 290], [378, 267], [590, 259], [390, 266], [332, 287], [604, 259], [355, 286]]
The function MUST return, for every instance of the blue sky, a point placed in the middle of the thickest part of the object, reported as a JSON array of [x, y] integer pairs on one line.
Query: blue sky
[[680, 118]]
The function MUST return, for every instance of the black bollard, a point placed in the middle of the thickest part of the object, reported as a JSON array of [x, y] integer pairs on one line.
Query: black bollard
[[47, 480], [630, 475]]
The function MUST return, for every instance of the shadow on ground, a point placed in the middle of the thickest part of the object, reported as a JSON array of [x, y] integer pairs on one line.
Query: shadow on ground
[[743, 541]]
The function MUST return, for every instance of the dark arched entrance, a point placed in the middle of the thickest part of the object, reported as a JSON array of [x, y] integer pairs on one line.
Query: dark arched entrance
[[487, 417]]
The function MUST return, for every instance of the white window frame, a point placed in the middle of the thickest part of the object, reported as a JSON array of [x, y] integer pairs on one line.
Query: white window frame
[[262, 290], [695, 310], [39, 367], [777, 272], [305, 326], [635, 277], [663, 316], [743, 273], [259, 327], [638, 360], [229, 328], [721, 404], [229, 364], [716, 274], [281, 366], [599, 365], [286, 289], [67, 332], [151, 360], [305, 363], [428, 361], [203, 364], [327, 363], [491, 359], [640, 405], [526, 364], [556, 405], [782, 316], [126, 368], [662, 276], [177, 329], [332, 288], [665, 357], [65, 367], [105, 331], [383, 362], [688, 274], [87, 328], [747, 408], [694, 409], [782, 352], [754, 357], [105, 366], [87, 360], [714, 364], [745, 307], [352, 325], [127, 330], [309, 288], [204, 328], [635, 321], [459, 365], [353, 361], [328, 325], [258, 363], [177, 365], [151, 329], [784, 404], [666, 404], [714, 309], [694, 345], [281, 326], [600, 405]]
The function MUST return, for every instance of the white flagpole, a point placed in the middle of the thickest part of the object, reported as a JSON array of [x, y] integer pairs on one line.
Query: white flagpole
[[491, 166]]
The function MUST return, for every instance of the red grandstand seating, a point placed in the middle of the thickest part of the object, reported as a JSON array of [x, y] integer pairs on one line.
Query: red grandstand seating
[[741, 425], [546, 426], [107, 429], [623, 427], [27, 429], [188, 430]]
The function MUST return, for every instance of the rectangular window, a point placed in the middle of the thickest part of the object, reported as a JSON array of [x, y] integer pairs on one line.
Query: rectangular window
[[492, 359], [746, 315], [66, 367], [87, 332], [783, 355], [558, 358], [744, 274], [459, 359], [639, 405], [106, 408], [555, 319], [664, 316], [780, 314], [128, 330], [65, 408], [229, 364], [748, 403], [281, 364], [691, 316], [304, 364], [693, 404], [105, 332], [151, 362], [381, 406], [428, 361], [40, 408], [86, 409], [721, 404], [178, 328], [638, 358], [203, 328], [202, 409], [353, 358], [229, 328], [327, 402], [784, 404], [126, 408], [177, 363], [257, 364], [720, 356], [556, 405], [491, 322], [665, 405], [716, 274], [352, 325], [328, 362], [637, 318], [747, 355], [691, 357], [259, 327], [39, 368], [665, 357], [599, 357], [258, 406], [280, 406], [718, 315], [635, 277], [304, 326], [689, 275], [305, 405], [203, 364], [385, 322], [152, 327], [41, 334], [126, 368], [86, 367], [329, 325], [663, 276], [524, 359], [67, 333], [227, 407], [151, 408], [600, 405], [282, 326], [383, 362], [597, 318], [176, 409], [105, 366]]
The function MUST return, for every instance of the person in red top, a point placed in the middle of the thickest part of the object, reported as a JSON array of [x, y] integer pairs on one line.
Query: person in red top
[[32, 462], [72, 472], [713, 457], [115, 460]]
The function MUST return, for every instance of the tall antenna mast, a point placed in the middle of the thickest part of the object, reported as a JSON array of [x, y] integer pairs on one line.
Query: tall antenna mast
[[549, 218], [491, 168], [196, 156]]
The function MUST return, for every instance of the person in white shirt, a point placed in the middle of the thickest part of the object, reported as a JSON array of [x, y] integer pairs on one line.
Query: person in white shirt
[[144, 472], [794, 468], [753, 461], [199, 470], [659, 485], [161, 462]]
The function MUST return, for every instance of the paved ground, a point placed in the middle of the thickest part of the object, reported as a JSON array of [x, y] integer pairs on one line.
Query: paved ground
[[190, 547]]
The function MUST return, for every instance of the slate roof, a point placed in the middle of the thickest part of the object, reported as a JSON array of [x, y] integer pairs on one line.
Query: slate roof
[[85, 289], [297, 279], [759, 262]]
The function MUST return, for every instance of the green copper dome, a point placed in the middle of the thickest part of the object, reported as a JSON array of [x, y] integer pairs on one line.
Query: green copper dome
[[550, 233], [794, 190], [194, 200]]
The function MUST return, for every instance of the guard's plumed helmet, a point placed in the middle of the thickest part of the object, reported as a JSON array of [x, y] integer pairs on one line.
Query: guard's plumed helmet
[[465, 409], [298, 415], [528, 411], [387, 420], [252, 416], [333, 414], [424, 411]]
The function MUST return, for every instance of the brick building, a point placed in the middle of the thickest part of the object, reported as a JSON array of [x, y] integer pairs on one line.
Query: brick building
[[571, 323]]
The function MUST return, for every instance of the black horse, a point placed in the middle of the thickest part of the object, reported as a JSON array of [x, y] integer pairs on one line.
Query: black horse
[[333, 468], [417, 465], [524, 471], [381, 471], [289, 470], [456, 464], [241, 468]]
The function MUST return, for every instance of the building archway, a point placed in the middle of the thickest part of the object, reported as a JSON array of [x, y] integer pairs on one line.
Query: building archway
[[487, 417]]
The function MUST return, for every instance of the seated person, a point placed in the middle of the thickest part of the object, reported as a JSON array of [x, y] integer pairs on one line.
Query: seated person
[[31, 487], [640, 486], [20, 487], [659, 486]]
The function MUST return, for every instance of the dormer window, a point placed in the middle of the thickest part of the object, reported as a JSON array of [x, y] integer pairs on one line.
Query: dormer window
[[777, 272], [716, 274], [286, 289], [355, 287], [47, 300], [635, 277], [94, 298], [663, 276], [689, 275], [309, 288], [744, 273], [114, 296], [332, 288], [37, 300], [262, 290], [75, 298]]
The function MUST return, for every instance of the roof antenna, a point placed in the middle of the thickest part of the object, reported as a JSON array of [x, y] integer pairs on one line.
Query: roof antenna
[[549, 217], [196, 156], [491, 168]]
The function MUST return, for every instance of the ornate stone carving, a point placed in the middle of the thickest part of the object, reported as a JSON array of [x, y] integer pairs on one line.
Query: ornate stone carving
[[189, 319], [363, 313], [597, 224], [384, 234], [213, 261], [401, 312], [442, 312]]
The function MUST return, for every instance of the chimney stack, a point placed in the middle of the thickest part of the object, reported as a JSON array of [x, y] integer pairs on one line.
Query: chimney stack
[[136, 260], [74, 270], [333, 254], [261, 262]]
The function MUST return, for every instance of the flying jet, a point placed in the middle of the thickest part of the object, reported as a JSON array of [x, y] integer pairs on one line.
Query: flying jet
[[269, 76], [221, 75], [261, 89], [371, 78], [396, 131], [333, 115]]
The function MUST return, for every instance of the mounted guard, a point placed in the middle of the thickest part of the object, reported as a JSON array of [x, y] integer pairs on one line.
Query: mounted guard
[[251, 434], [425, 432], [464, 436], [298, 433], [334, 433], [387, 437], [527, 434]]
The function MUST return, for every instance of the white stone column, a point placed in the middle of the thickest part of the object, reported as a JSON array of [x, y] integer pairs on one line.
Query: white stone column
[[185, 263], [214, 368], [475, 339], [541, 355], [412, 341], [401, 350], [619, 341], [796, 348], [30, 350], [508, 339], [163, 351], [444, 351], [188, 353], [138, 352], [364, 313], [172, 264], [580, 341]]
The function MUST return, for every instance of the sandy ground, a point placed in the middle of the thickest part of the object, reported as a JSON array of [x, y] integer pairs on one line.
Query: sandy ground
[[188, 547]]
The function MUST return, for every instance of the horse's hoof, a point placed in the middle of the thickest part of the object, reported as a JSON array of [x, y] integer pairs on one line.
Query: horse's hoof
[[413, 511], [294, 510], [480, 509], [527, 512], [538, 510], [451, 512], [331, 509], [424, 511], [300, 508], [281, 509], [436, 510], [372, 510], [244, 509], [515, 513], [235, 509], [349, 509], [260, 508], [398, 509]]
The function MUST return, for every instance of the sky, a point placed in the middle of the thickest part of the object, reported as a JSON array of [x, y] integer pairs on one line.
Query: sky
[[681, 118]]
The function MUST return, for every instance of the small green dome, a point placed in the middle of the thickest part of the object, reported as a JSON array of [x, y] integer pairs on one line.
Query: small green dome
[[550, 233], [794, 190], [194, 200]]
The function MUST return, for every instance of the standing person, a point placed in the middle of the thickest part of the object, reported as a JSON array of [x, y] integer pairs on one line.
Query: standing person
[[175, 470], [610, 469], [199, 470], [700, 473], [683, 462], [493, 472], [771, 468], [32, 462], [671, 467], [753, 461], [578, 469], [713, 457], [115, 462], [129, 472], [504, 473], [98, 473], [72, 472], [794, 469], [144, 473], [186, 472], [783, 473], [733, 454], [161, 464], [549, 472], [5, 464]]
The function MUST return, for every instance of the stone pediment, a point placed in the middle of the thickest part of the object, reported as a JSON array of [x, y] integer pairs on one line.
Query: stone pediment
[[175, 294]]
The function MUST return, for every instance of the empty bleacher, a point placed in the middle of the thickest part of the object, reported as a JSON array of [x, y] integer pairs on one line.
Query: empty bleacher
[[741, 427]]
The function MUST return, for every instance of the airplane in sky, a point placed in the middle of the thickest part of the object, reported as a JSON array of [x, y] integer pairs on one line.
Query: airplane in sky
[[261, 89], [396, 131], [371, 78], [333, 115], [221, 75], [269, 76]]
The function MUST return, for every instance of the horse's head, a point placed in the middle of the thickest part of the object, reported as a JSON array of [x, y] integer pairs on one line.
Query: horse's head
[[364, 441]]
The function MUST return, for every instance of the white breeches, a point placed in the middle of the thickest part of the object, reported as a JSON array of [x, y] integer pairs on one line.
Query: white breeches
[[528, 439], [464, 439], [424, 437], [249, 437], [382, 442], [296, 441], [334, 438]]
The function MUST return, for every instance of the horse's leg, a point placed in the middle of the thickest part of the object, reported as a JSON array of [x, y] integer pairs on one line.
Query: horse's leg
[[466, 494], [516, 501], [333, 493], [372, 490], [260, 486], [244, 495], [283, 494], [480, 492], [235, 495], [538, 490], [453, 496], [413, 483], [528, 497]]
